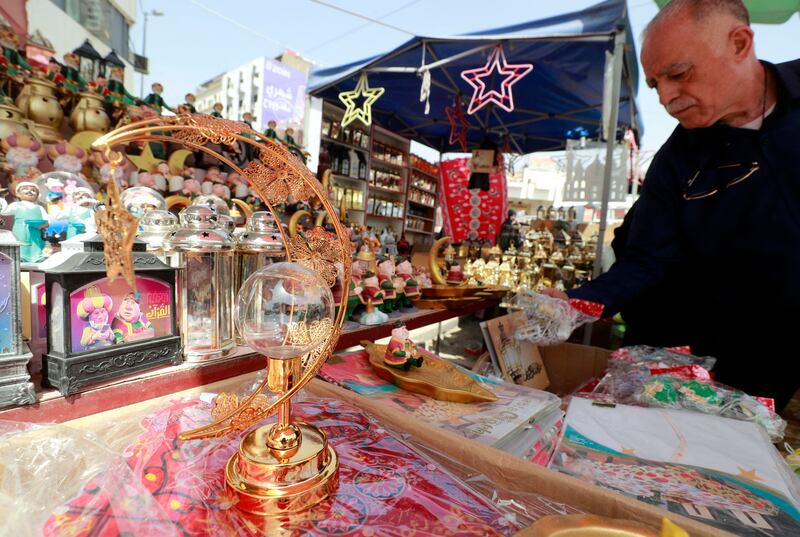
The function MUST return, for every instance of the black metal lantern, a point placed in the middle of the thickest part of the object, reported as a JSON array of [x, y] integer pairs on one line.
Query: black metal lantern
[[111, 60], [90, 61], [100, 330]]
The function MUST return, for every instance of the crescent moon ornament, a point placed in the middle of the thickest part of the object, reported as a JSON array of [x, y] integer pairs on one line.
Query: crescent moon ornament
[[433, 261], [85, 139], [269, 474], [177, 161], [295, 220], [177, 201]]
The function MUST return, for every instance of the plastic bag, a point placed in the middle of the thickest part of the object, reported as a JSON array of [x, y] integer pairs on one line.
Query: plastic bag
[[663, 378], [552, 320], [56, 480]]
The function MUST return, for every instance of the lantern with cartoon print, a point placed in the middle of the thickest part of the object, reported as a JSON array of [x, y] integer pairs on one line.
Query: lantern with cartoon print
[[100, 329]]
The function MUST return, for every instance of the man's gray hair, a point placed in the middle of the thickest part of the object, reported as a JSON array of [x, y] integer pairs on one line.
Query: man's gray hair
[[701, 9]]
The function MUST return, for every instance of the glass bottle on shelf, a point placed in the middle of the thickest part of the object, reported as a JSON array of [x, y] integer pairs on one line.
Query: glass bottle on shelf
[[353, 158]]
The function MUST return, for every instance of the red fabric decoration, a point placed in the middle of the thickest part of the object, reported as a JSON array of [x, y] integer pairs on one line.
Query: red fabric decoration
[[385, 487], [471, 214], [458, 124]]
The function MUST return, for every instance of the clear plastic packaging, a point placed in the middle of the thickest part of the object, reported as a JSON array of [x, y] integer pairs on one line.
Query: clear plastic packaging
[[552, 320], [667, 379], [135, 478]]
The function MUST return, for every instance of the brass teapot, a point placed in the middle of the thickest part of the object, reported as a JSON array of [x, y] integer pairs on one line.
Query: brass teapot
[[89, 114], [39, 102]]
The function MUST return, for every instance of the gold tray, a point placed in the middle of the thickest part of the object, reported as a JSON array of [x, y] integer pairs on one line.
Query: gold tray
[[585, 525], [451, 291], [435, 378]]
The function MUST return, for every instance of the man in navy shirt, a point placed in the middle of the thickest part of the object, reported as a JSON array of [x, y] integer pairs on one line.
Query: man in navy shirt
[[720, 206]]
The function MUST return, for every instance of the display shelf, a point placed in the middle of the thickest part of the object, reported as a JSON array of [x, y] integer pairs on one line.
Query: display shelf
[[377, 163], [431, 192], [423, 172], [422, 204], [386, 190], [340, 177], [418, 231], [330, 140], [52, 407], [419, 217], [370, 215]]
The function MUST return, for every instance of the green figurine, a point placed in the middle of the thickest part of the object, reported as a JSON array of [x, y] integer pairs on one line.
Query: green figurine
[[271, 133], [70, 81], [188, 106], [155, 101], [217, 112]]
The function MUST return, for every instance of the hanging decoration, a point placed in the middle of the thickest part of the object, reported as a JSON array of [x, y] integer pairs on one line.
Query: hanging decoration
[[425, 91], [363, 112], [458, 123], [471, 214], [504, 98]]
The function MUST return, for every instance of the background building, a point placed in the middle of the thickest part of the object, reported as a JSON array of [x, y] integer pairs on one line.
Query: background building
[[105, 23]]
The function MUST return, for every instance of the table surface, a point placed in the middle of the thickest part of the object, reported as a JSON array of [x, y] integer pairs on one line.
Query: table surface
[[53, 407]]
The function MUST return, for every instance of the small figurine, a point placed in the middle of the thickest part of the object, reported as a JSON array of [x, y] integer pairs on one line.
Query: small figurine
[[188, 106], [95, 308], [388, 244], [213, 177], [271, 133], [155, 101], [23, 153], [69, 80], [29, 219], [386, 272], [116, 96], [130, 323], [293, 146], [404, 247], [237, 186], [12, 63], [455, 276], [423, 278], [405, 271], [371, 290], [401, 352], [82, 210], [67, 157], [217, 110]]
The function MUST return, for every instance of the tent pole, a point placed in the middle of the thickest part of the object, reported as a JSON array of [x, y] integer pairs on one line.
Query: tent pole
[[619, 50], [611, 137]]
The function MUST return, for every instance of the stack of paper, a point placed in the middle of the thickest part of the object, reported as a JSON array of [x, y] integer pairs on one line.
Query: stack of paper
[[721, 471], [520, 420]]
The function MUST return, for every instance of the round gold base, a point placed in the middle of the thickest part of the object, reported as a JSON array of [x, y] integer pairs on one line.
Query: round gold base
[[268, 486]]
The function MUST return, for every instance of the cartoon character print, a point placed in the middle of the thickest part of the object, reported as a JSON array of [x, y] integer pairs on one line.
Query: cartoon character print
[[130, 322], [95, 308]]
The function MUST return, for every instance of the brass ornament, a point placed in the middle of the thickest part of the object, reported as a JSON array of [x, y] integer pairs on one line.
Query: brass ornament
[[263, 476], [117, 227]]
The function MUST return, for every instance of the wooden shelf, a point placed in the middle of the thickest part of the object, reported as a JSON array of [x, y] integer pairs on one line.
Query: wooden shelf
[[422, 204], [339, 177], [431, 192], [423, 172], [370, 215], [388, 165], [387, 190], [419, 217], [419, 231], [345, 144]]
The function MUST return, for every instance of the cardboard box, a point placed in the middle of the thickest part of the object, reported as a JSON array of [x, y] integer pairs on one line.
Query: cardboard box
[[570, 365]]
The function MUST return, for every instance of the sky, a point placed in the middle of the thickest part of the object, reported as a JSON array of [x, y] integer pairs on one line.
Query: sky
[[196, 40]]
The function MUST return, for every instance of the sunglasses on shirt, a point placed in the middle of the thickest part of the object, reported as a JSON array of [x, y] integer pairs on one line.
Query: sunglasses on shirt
[[728, 174]]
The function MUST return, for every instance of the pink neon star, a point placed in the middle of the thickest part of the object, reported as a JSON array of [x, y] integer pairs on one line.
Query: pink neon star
[[503, 98]]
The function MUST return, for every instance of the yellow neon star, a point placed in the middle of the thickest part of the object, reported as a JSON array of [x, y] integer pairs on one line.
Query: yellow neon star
[[752, 475], [146, 161], [364, 112]]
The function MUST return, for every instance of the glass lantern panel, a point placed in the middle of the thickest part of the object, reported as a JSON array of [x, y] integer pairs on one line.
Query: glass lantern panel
[[7, 288], [56, 323], [105, 314]]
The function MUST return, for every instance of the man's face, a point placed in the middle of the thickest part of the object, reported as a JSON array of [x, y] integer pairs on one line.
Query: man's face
[[690, 65], [129, 309], [28, 193]]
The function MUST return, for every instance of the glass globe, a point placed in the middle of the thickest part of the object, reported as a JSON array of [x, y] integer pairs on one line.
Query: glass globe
[[283, 310], [215, 202], [62, 187], [138, 200]]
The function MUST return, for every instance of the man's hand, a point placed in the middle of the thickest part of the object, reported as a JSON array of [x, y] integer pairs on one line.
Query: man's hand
[[555, 293]]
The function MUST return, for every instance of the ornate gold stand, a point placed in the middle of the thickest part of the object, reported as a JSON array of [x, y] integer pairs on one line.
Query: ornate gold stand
[[284, 467]]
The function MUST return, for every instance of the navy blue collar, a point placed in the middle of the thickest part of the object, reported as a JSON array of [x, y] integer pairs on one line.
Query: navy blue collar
[[789, 77]]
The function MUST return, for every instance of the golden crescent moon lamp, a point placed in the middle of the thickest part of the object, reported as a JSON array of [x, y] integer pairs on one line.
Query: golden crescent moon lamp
[[285, 311]]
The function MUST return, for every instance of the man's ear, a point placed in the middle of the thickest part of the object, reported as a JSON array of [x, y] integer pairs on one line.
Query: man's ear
[[741, 41]]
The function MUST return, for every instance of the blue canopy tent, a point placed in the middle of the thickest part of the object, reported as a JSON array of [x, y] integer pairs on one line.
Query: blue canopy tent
[[562, 97]]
